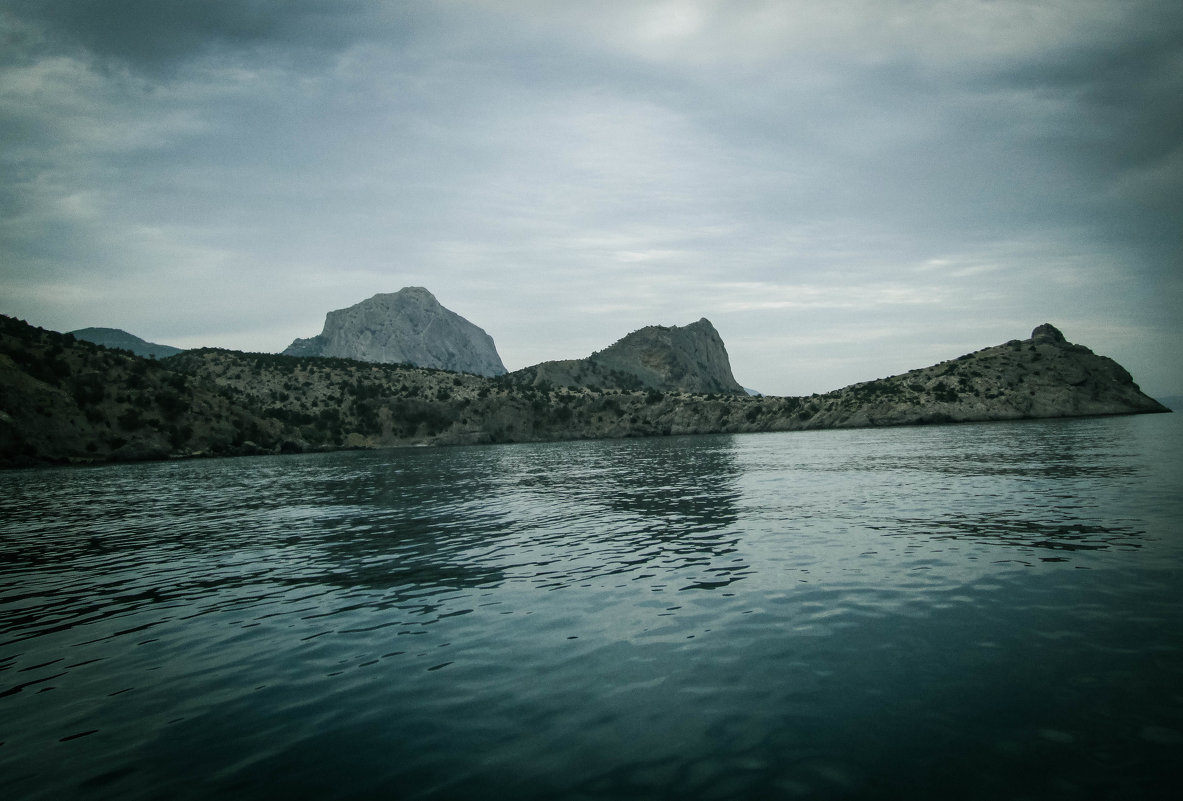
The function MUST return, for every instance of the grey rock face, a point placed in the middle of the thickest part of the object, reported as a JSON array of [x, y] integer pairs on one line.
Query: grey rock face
[[688, 358], [405, 327], [1047, 334], [118, 338], [691, 358]]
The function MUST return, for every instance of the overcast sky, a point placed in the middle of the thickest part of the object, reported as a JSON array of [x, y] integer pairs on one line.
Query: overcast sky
[[847, 190]]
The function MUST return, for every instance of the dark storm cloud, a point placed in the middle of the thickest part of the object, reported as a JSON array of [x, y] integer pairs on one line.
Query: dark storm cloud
[[1121, 131], [157, 34], [1129, 82]]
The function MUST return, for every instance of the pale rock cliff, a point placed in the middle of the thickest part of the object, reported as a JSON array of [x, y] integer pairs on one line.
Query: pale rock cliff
[[689, 358], [405, 327]]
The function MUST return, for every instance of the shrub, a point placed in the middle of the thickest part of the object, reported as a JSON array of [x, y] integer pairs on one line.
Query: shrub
[[171, 404], [130, 420], [944, 393]]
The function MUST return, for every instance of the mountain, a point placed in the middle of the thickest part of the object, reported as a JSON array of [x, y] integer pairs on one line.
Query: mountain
[[116, 338], [690, 358], [405, 327], [66, 400]]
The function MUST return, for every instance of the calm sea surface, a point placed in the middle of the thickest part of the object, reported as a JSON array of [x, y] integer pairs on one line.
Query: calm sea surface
[[977, 611]]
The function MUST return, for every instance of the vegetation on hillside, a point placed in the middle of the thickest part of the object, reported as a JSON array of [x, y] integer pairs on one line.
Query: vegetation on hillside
[[64, 400]]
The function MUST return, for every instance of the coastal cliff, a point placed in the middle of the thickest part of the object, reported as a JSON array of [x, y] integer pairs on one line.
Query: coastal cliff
[[65, 400]]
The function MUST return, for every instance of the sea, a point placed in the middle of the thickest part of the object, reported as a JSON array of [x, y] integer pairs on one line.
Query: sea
[[981, 611]]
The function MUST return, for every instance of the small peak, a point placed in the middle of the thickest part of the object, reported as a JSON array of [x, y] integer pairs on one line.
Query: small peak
[[408, 294], [1047, 333]]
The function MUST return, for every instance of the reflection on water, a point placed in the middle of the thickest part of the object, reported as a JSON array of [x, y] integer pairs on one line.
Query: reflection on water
[[607, 509], [968, 611]]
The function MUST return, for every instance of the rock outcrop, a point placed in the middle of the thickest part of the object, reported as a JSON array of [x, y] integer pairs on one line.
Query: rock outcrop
[[121, 340], [688, 358], [405, 327]]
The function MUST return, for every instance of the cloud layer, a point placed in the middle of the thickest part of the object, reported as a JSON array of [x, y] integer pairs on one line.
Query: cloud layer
[[846, 190]]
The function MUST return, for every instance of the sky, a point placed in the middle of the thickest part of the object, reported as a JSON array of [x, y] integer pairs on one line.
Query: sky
[[846, 190]]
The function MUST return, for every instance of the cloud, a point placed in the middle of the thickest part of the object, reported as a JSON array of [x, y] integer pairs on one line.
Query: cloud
[[954, 172], [157, 35]]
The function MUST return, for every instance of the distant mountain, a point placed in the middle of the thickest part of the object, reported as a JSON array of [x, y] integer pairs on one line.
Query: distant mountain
[[690, 358], [405, 327], [117, 338]]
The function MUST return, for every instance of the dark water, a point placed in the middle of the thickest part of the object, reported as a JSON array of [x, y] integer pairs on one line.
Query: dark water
[[983, 611]]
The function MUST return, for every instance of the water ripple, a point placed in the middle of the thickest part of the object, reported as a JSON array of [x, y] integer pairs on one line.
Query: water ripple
[[826, 613]]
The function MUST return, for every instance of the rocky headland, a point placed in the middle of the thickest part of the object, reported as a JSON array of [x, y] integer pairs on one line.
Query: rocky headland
[[64, 400], [405, 327]]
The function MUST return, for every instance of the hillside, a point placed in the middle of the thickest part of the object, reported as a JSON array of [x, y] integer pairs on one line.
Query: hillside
[[64, 400], [1043, 376]]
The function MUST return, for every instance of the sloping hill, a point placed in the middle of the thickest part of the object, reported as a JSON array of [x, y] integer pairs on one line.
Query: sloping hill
[[1043, 376], [119, 339], [65, 399]]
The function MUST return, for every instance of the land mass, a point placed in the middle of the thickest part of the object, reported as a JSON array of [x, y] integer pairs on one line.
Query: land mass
[[688, 358], [65, 400], [405, 327]]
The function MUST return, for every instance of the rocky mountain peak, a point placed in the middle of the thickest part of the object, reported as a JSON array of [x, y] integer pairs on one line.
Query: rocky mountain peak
[[689, 358], [405, 327], [1047, 334]]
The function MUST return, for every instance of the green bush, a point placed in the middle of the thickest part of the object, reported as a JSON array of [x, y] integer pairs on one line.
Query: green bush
[[944, 393], [130, 420]]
